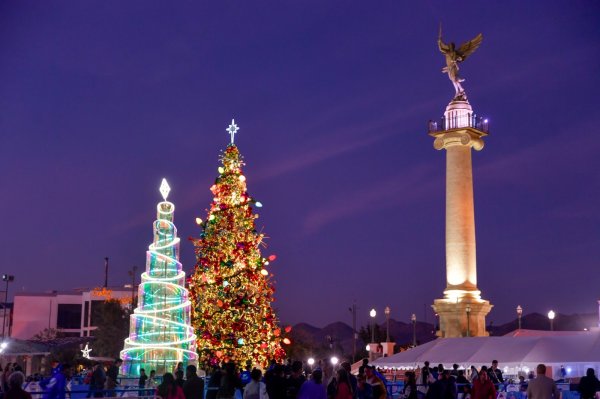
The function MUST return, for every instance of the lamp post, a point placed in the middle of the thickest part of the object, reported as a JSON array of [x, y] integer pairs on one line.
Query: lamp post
[[8, 278], [468, 309], [387, 312], [373, 313], [311, 362], [519, 314], [551, 316], [413, 319]]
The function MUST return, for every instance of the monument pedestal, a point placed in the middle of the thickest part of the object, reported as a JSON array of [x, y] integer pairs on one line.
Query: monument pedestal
[[374, 352], [388, 348], [455, 321]]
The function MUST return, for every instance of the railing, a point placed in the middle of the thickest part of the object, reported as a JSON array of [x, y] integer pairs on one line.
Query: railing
[[459, 121]]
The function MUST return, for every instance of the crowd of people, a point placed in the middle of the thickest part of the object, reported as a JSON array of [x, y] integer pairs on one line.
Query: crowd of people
[[293, 381], [440, 383]]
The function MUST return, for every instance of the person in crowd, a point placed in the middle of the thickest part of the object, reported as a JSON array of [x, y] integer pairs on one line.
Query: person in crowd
[[97, 381], [542, 387], [332, 388], [255, 389], [151, 384], [177, 368], [410, 386], [294, 381], [343, 385], [246, 375], [522, 384], [168, 389], [87, 375], [15, 390], [437, 390], [454, 372], [450, 383], [495, 373], [56, 387], [425, 379], [363, 389], [461, 379], [142, 382], [563, 372], [179, 378], [472, 374], [7, 370], [214, 382], [353, 381], [229, 382], [589, 385], [275, 381], [363, 366], [483, 388], [193, 388], [466, 389], [377, 384], [313, 388], [112, 376]]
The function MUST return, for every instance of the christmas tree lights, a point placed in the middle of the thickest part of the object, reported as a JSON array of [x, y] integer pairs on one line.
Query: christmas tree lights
[[160, 332], [231, 288]]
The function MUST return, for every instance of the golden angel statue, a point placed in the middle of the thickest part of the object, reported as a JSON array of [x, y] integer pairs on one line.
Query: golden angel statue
[[453, 57]]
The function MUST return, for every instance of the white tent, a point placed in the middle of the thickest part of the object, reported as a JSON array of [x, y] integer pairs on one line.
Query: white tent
[[516, 353]]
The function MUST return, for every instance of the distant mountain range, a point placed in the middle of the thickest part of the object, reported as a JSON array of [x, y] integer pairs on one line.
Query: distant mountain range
[[338, 336]]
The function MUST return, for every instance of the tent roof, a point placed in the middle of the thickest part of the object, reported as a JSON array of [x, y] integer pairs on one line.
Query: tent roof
[[510, 350], [17, 347]]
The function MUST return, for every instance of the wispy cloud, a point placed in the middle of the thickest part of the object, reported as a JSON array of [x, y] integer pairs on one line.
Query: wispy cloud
[[344, 140], [409, 185]]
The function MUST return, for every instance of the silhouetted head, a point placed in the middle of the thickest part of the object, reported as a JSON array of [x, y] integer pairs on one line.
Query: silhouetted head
[[590, 372]]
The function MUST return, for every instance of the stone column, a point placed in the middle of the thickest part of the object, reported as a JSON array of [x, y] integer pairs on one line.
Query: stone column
[[462, 305]]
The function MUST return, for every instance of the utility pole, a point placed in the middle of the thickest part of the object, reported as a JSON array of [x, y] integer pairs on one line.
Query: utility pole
[[354, 333], [132, 274], [8, 278], [106, 272]]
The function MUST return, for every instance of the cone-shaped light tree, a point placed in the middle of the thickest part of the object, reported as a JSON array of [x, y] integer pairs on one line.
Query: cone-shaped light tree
[[230, 288], [160, 331]]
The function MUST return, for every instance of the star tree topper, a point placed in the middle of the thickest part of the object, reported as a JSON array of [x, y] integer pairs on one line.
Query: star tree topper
[[232, 129], [165, 189]]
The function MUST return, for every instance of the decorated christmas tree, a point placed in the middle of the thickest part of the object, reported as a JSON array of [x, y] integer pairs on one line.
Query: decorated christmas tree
[[231, 288], [160, 332]]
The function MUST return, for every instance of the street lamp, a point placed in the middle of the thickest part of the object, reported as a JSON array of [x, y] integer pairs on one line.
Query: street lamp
[[551, 316], [334, 360], [311, 362], [8, 278], [387, 312], [373, 313], [413, 318], [519, 314], [468, 309]]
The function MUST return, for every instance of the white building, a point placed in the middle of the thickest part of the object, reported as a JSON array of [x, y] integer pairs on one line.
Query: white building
[[71, 313]]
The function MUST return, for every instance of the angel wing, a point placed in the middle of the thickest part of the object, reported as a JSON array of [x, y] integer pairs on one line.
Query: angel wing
[[468, 48], [444, 48]]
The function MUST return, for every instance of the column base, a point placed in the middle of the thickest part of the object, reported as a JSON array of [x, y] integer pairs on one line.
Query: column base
[[388, 348], [454, 319]]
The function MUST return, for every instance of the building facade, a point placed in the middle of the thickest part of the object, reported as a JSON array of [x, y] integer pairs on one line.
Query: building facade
[[71, 313]]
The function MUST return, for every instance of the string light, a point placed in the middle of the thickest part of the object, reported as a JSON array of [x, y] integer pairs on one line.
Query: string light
[[160, 334], [232, 292]]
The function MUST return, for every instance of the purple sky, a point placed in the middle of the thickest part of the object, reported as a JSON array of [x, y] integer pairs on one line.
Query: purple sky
[[101, 100]]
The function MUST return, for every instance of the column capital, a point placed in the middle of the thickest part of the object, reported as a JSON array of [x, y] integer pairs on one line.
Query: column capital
[[466, 136]]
